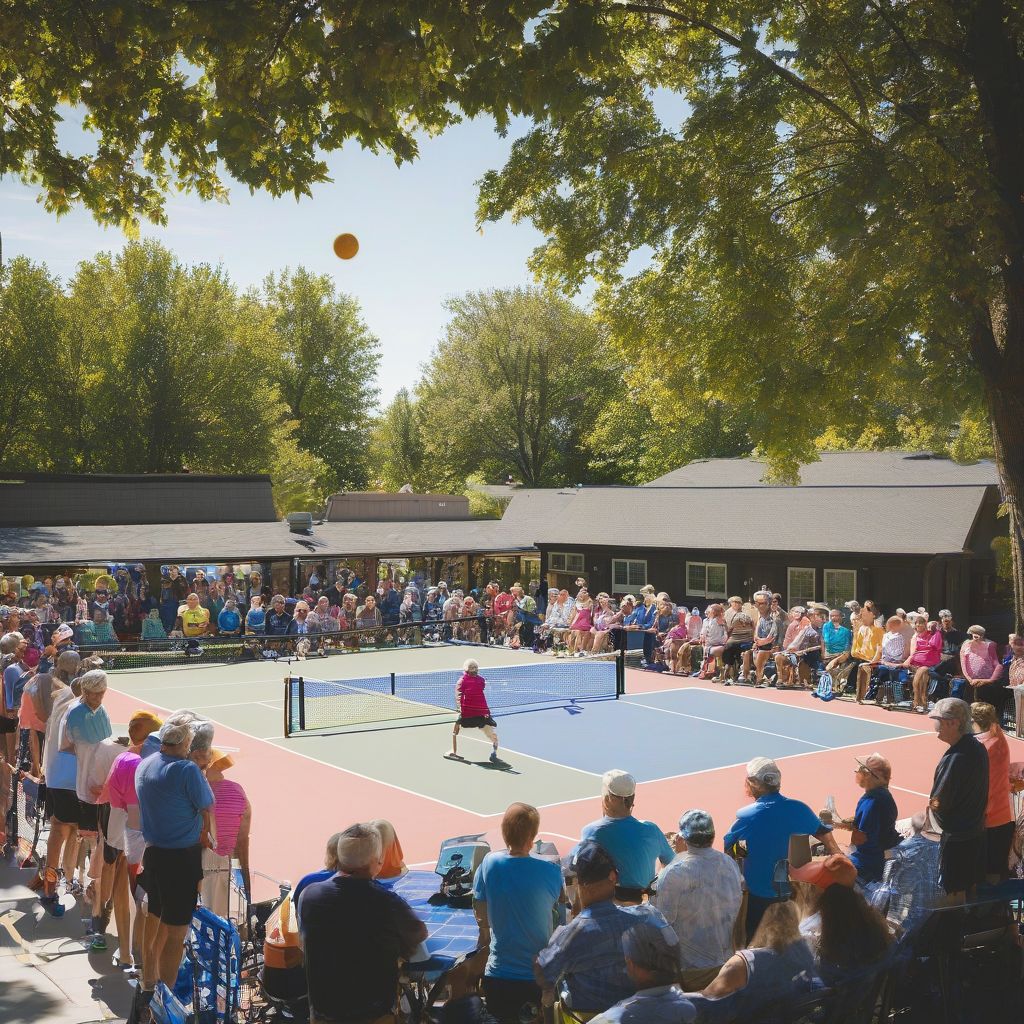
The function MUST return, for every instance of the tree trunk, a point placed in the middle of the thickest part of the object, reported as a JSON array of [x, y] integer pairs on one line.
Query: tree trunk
[[1006, 405]]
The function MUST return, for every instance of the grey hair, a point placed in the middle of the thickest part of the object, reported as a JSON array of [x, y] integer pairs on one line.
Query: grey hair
[[93, 681], [202, 738], [9, 642], [955, 710], [68, 663], [358, 846]]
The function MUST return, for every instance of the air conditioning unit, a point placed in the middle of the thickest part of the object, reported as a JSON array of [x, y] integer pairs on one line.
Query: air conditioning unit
[[300, 522]]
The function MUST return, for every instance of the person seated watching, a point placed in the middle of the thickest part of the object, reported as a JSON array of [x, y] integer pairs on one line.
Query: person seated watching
[[776, 965], [608, 617], [194, 619], [557, 617], [578, 638], [229, 622], [838, 641], [652, 957], [582, 966], [866, 652], [354, 934], [801, 656], [736, 652], [796, 619], [392, 859], [633, 844], [256, 617], [675, 639], [893, 654], [910, 888], [665, 618], [103, 630], [152, 627], [925, 654], [766, 638], [979, 659], [700, 894], [514, 895], [949, 663], [714, 636], [854, 937]]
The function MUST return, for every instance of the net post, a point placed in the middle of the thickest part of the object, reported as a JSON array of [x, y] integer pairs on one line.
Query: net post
[[392, 684], [287, 707], [302, 704], [620, 673]]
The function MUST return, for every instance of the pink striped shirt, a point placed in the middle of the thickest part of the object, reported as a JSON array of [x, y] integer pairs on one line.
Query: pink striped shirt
[[228, 808]]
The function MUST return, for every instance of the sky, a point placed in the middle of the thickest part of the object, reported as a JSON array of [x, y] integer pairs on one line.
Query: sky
[[418, 240]]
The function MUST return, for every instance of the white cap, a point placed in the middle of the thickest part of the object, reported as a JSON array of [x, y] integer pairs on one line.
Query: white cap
[[618, 783], [764, 770]]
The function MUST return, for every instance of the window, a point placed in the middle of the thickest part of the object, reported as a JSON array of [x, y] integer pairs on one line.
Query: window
[[628, 574], [840, 586], [705, 579], [564, 561], [800, 584]]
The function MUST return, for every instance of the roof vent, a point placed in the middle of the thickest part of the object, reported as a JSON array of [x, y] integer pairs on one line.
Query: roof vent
[[300, 522]]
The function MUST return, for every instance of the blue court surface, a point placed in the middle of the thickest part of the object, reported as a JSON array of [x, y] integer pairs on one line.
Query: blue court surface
[[676, 732]]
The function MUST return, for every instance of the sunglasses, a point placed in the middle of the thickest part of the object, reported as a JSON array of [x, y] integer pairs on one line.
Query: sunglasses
[[865, 768]]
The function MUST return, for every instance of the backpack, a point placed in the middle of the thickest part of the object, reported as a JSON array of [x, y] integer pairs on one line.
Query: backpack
[[824, 688]]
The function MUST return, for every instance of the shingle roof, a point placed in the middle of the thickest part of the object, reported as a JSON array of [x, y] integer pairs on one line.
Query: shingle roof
[[244, 541], [919, 520], [838, 469]]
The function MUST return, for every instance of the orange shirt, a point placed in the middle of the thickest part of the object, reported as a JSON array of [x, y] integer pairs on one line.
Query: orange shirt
[[998, 810], [394, 862]]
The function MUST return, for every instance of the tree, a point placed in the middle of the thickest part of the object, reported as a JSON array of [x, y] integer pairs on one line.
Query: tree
[[325, 366], [396, 451], [520, 377], [35, 385], [844, 195]]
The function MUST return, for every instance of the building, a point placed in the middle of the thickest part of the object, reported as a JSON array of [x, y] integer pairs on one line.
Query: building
[[903, 528]]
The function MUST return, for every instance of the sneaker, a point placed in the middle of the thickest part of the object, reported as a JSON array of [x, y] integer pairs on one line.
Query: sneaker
[[494, 757], [742, 680], [727, 681], [98, 944]]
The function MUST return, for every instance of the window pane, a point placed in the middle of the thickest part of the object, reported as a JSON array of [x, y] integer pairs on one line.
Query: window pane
[[574, 563], [638, 574], [716, 580], [840, 586], [556, 560], [801, 586], [620, 574], [696, 578]]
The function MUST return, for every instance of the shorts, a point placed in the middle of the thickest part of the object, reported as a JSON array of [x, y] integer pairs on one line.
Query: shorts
[[477, 722], [171, 880], [8, 725], [62, 804], [997, 851], [88, 817]]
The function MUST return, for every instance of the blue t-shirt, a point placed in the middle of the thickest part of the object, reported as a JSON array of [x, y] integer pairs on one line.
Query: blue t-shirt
[[314, 876], [15, 678], [766, 826], [634, 845], [172, 792], [520, 893], [83, 725], [876, 817], [837, 639], [228, 622]]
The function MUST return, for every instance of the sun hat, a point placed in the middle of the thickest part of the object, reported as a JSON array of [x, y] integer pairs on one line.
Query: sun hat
[[833, 870], [618, 783], [764, 770]]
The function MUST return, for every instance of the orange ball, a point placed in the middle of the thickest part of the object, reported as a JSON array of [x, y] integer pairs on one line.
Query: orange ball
[[346, 246]]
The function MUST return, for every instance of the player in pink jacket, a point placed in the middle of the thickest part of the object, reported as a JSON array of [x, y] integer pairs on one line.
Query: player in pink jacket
[[473, 710]]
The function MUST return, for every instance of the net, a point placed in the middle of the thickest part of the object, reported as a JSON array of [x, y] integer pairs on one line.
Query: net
[[414, 698], [24, 817]]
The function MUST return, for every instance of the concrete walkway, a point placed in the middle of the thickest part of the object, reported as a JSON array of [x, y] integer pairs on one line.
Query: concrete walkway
[[47, 973]]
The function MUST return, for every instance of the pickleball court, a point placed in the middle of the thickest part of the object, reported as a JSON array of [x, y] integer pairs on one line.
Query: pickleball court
[[685, 741]]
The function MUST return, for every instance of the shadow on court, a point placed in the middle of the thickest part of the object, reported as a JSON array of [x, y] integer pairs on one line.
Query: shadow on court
[[488, 765]]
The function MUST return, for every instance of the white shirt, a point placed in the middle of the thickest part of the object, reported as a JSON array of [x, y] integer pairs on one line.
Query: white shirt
[[699, 894]]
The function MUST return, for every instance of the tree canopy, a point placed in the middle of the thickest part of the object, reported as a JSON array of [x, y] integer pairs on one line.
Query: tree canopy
[[841, 199]]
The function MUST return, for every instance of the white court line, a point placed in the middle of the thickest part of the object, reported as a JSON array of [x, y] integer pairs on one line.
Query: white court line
[[741, 764], [732, 725], [239, 704], [533, 757], [913, 792], [816, 709], [327, 764]]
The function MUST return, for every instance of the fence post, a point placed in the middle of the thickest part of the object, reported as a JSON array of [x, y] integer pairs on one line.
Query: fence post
[[392, 684], [287, 706], [620, 673], [302, 704]]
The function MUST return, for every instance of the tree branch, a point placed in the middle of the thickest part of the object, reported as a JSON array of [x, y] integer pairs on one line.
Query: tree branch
[[781, 72]]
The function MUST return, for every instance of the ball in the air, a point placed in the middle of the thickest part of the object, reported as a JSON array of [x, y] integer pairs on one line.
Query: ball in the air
[[346, 246]]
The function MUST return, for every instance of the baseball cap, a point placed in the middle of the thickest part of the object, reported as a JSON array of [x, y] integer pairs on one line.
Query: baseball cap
[[653, 946], [764, 770], [696, 824], [618, 783], [948, 707], [833, 870], [945, 614], [592, 862], [876, 764]]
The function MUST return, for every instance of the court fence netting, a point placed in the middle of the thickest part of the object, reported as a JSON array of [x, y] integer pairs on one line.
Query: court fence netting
[[418, 698], [189, 652]]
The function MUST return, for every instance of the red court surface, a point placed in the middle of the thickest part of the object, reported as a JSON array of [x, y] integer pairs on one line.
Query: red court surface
[[299, 802]]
